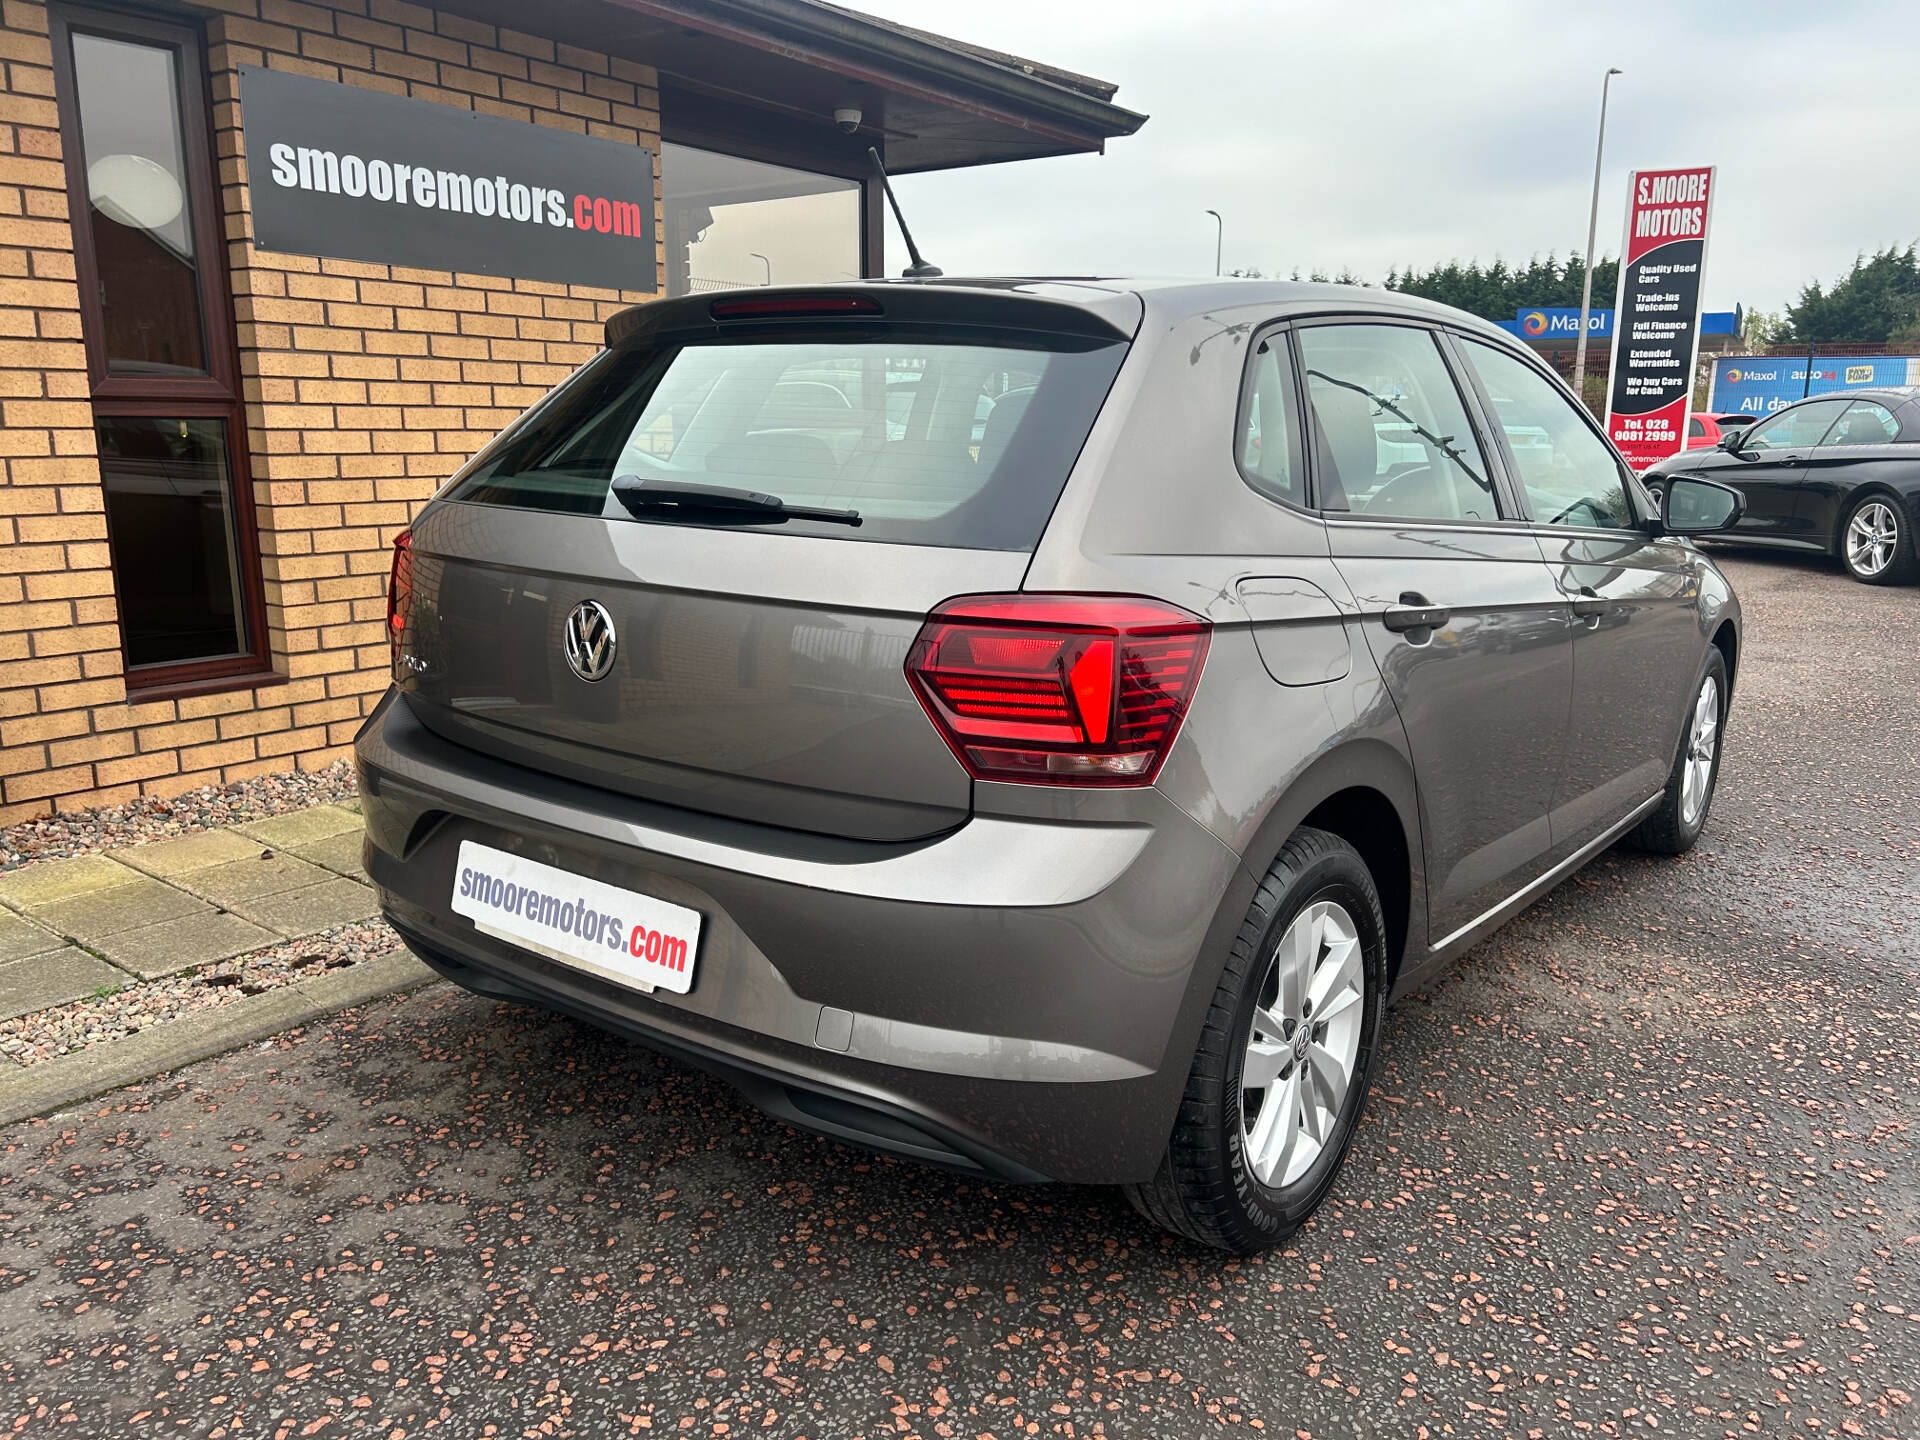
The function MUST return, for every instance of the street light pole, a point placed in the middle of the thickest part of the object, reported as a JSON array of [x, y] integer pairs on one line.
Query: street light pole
[[756, 255], [1593, 224], [1219, 238]]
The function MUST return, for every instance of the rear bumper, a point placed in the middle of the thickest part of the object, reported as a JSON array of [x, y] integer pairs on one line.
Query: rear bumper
[[1011, 997]]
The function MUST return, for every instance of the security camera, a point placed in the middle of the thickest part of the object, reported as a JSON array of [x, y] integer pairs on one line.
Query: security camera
[[847, 117]]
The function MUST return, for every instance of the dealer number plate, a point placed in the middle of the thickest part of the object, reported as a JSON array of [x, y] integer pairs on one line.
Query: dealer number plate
[[630, 939]]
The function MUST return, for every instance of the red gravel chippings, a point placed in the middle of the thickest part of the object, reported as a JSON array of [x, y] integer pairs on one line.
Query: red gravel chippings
[[1643, 1163]]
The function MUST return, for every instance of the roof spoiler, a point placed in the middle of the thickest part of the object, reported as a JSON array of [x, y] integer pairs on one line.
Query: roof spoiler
[[761, 309]]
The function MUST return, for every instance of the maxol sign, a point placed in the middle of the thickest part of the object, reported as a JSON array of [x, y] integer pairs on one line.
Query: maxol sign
[[1562, 322], [1761, 384]]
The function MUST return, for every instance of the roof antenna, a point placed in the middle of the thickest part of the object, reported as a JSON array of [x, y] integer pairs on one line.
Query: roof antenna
[[919, 269]]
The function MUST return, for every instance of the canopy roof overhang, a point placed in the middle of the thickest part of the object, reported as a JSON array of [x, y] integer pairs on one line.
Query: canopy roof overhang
[[926, 101]]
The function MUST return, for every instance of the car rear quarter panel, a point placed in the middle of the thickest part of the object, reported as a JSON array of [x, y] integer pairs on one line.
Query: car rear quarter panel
[[1157, 506]]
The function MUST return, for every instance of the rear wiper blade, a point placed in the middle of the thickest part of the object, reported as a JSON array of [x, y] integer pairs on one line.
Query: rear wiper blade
[[657, 498]]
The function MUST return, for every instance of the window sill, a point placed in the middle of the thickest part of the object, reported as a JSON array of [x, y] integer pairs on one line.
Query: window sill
[[160, 687]]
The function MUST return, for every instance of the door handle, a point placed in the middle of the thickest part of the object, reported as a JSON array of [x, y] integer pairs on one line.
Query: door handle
[[1588, 602], [1415, 612]]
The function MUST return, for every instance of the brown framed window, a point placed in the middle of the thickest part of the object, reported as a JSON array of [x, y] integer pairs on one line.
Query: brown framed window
[[156, 315]]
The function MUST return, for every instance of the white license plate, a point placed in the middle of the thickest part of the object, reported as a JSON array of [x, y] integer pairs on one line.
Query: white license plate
[[632, 940]]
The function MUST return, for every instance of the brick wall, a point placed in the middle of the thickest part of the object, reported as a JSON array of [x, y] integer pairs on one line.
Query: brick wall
[[365, 386]]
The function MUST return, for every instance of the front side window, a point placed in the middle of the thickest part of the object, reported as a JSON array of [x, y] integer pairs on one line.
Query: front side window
[[1265, 447], [927, 441], [1864, 423], [732, 223], [1570, 475], [1798, 428], [1391, 429]]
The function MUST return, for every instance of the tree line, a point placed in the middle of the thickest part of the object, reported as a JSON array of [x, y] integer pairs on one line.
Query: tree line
[[1497, 291], [1876, 301]]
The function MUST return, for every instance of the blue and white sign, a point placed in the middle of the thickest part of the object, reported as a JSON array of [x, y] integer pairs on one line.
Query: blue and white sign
[[1761, 384], [1563, 323]]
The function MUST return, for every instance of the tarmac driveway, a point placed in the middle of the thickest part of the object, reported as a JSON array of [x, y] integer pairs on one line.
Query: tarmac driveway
[[1645, 1161]]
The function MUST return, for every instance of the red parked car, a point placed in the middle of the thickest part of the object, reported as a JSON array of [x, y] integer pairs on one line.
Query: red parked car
[[1703, 432]]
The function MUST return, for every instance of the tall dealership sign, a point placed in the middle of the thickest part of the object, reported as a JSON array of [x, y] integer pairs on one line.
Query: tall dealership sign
[[356, 174], [1656, 331]]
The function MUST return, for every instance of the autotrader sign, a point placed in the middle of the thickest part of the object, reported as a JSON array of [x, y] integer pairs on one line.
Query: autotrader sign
[[1656, 328], [362, 175]]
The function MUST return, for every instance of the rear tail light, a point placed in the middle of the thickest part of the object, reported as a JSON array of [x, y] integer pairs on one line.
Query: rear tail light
[[400, 591], [1059, 689]]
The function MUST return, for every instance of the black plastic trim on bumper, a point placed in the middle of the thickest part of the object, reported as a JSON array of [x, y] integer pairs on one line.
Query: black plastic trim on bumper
[[852, 1119]]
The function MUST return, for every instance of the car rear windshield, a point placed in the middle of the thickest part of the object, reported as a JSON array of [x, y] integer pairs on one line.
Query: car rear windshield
[[932, 438]]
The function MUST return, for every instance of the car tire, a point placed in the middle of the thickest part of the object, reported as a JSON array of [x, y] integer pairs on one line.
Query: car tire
[[1688, 799], [1231, 1177], [1890, 560]]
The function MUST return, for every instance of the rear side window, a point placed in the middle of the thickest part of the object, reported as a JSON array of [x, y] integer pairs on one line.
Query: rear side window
[[1863, 423], [933, 439], [1265, 446], [1393, 433]]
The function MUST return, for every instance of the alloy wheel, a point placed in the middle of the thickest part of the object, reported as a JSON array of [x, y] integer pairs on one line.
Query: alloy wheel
[[1873, 535], [1703, 734], [1305, 1040]]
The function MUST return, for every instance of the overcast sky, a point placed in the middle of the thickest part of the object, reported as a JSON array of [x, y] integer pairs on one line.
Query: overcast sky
[[1381, 133]]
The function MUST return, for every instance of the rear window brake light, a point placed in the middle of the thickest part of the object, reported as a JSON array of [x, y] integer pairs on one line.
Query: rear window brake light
[[763, 307]]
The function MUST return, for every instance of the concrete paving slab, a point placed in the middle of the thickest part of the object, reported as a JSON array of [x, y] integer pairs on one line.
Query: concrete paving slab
[[317, 907], [92, 917], [155, 950], [55, 977], [51, 880], [300, 827], [168, 858], [250, 879], [339, 853], [20, 938]]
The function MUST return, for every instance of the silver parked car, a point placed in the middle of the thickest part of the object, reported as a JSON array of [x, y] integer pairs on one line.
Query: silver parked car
[[1055, 789]]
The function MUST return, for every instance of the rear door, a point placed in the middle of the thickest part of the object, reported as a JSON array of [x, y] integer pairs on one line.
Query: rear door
[[757, 659], [1770, 468], [1463, 617], [1636, 636], [1856, 448]]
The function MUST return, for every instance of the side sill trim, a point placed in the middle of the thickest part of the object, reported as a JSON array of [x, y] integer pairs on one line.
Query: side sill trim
[[1527, 894]]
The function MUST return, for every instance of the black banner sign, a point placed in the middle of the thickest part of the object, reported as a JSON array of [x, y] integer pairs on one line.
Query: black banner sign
[[1656, 316], [362, 175]]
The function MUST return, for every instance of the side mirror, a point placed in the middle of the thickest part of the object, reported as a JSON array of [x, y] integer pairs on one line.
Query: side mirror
[[1730, 439], [1690, 506]]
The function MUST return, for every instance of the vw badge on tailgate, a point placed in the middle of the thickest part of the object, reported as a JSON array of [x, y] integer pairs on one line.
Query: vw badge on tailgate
[[590, 640]]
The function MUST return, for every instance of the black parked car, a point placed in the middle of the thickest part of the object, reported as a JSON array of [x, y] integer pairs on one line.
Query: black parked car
[[1838, 474]]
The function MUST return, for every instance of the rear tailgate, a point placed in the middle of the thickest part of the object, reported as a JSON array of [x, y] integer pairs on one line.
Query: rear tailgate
[[757, 665], [781, 699]]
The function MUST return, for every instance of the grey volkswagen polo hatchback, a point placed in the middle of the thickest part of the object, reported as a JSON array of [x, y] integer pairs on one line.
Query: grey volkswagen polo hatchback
[[1035, 727]]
